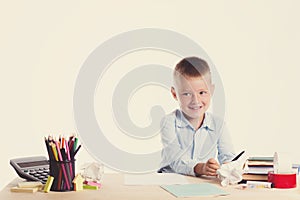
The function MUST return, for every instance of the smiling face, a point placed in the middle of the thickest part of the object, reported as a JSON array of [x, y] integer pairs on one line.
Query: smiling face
[[193, 95]]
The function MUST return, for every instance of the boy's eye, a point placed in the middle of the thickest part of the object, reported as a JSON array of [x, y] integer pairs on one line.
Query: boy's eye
[[186, 94]]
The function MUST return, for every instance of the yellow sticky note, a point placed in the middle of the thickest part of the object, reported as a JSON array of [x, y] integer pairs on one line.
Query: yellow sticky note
[[30, 184], [26, 190], [48, 184], [78, 182]]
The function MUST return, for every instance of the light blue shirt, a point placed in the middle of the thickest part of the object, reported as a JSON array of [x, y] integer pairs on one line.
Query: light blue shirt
[[184, 147]]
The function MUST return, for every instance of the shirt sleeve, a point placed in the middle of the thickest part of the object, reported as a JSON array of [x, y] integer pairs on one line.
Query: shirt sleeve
[[225, 146], [173, 156]]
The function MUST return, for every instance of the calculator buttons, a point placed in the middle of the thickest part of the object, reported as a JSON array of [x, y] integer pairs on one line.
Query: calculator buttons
[[39, 174]]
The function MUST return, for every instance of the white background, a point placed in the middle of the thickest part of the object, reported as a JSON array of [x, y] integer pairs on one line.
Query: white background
[[254, 46]]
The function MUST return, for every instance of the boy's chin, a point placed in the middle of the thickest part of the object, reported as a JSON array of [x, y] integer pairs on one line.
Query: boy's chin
[[194, 116]]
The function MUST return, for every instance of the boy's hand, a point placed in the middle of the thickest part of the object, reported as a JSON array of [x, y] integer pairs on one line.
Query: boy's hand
[[209, 168]]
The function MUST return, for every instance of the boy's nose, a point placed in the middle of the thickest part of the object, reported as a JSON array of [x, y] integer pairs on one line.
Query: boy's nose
[[195, 98]]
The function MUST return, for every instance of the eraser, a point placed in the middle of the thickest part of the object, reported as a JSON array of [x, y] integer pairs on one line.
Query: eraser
[[25, 190], [48, 184], [30, 184], [92, 183], [90, 187]]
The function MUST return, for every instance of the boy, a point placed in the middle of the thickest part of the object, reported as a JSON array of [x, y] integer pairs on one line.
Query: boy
[[191, 136]]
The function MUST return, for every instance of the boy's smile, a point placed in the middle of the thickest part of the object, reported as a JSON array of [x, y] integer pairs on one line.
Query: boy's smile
[[193, 95]]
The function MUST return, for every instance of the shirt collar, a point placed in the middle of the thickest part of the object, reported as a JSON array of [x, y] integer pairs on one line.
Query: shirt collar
[[182, 122]]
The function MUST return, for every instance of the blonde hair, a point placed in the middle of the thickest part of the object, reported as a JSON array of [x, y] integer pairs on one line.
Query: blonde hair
[[192, 67]]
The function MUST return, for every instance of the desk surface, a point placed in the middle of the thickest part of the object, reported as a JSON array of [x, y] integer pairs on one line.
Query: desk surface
[[113, 188]]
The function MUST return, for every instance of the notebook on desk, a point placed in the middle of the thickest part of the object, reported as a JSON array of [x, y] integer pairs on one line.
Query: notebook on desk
[[194, 190]]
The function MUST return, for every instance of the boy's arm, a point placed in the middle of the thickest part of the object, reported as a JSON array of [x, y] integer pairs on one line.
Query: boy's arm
[[184, 165], [225, 146]]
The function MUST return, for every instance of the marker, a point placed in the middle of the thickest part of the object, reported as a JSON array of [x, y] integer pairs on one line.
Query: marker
[[75, 144], [49, 149], [76, 150], [239, 155], [62, 142], [53, 147], [48, 184], [63, 167], [259, 184], [69, 158]]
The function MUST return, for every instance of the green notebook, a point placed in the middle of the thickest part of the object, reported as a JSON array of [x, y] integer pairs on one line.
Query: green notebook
[[261, 158], [192, 190]]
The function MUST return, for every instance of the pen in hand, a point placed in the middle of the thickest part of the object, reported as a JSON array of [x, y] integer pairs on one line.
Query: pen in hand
[[239, 155]]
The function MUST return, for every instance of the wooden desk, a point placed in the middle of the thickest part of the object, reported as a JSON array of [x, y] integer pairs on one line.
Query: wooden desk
[[113, 188]]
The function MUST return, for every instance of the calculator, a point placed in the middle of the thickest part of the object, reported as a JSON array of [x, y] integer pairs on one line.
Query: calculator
[[35, 168]]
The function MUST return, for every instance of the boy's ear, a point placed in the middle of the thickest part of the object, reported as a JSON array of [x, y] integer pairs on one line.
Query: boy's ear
[[173, 93]]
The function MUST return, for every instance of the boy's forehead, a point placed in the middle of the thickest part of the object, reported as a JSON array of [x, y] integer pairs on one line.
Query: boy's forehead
[[186, 79], [191, 82]]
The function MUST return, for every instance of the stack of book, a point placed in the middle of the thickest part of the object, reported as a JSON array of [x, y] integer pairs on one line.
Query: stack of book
[[257, 168]]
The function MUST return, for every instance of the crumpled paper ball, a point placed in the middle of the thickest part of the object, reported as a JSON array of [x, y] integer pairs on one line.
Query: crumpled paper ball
[[232, 172]]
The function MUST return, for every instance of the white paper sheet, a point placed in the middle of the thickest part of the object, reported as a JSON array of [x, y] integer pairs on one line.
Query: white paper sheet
[[154, 179]]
